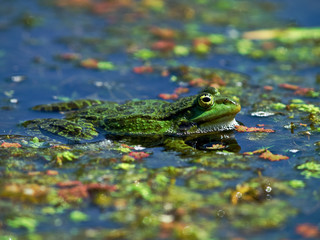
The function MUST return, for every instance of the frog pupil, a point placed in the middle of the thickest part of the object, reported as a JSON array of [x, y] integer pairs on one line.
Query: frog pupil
[[206, 99]]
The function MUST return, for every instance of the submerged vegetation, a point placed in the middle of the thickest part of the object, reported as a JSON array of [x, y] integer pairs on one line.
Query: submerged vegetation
[[259, 181]]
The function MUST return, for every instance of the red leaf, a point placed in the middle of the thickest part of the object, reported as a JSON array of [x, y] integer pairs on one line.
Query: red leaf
[[139, 155], [69, 56], [240, 128], [143, 69], [74, 193], [163, 45]]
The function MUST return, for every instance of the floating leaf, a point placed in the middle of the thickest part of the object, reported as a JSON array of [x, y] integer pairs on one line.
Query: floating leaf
[[143, 69], [164, 33], [273, 157], [216, 146], [297, 183], [163, 45], [52, 172], [181, 90], [286, 35], [127, 159], [139, 155], [145, 54], [168, 96], [308, 230], [62, 147], [75, 191], [310, 169], [240, 128], [255, 152], [89, 63], [278, 106], [32, 193], [105, 66], [69, 56], [180, 50], [202, 48], [266, 154], [25, 222], [65, 156], [124, 166], [10, 145], [289, 86], [78, 216], [298, 90], [268, 88]]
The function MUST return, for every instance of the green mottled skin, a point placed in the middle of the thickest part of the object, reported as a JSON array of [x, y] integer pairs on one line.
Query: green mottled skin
[[138, 118]]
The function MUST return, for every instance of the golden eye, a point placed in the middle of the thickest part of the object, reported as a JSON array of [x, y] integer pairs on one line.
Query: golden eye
[[206, 100]]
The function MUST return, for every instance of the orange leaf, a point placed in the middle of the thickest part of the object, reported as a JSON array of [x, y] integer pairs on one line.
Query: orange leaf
[[273, 157], [201, 40], [61, 147], [289, 86], [89, 63], [181, 90], [164, 33], [199, 82], [9, 145], [52, 172], [268, 88], [143, 69], [255, 152], [167, 96], [308, 230]]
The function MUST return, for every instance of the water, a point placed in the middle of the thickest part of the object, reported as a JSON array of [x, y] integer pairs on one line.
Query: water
[[204, 195]]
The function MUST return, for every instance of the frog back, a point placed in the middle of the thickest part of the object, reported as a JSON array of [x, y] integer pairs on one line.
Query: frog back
[[150, 109]]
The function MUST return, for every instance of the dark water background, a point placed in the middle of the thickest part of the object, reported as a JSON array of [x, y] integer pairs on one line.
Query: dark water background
[[30, 52]]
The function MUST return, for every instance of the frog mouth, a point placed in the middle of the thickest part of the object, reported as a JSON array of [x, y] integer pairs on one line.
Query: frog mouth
[[226, 125]]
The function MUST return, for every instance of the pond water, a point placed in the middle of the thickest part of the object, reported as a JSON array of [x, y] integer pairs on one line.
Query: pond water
[[259, 182]]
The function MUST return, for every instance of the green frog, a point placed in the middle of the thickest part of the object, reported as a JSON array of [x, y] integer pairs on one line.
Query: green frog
[[86, 120]]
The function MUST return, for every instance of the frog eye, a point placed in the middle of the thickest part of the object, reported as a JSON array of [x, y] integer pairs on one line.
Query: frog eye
[[206, 100]]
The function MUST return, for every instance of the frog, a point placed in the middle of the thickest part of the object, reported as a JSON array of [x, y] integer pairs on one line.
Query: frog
[[88, 119]]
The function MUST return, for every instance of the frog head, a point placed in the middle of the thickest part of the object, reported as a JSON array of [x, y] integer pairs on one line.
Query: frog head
[[209, 112]]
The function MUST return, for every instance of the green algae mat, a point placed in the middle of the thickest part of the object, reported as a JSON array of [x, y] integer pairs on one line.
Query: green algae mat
[[118, 165]]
